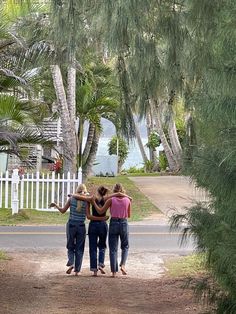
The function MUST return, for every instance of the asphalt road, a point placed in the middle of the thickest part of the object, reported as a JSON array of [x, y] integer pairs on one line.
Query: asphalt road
[[143, 238], [170, 194]]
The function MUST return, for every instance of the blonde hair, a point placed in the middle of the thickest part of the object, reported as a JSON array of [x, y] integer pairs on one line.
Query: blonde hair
[[118, 188], [81, 189]]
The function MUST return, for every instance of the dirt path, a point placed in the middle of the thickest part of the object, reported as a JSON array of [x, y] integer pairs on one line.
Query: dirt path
[[170, 194], [34, 282]]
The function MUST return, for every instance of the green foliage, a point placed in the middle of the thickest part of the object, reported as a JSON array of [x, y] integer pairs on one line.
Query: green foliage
[[148, 165], [123, 149], [134, 170], [153, 140], [163, 163]]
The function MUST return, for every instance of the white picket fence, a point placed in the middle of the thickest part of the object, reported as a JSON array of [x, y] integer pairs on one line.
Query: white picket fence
[[36, 190]]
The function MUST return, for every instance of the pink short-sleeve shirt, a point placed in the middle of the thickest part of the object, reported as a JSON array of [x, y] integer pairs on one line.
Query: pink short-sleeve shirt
[[119, 207]]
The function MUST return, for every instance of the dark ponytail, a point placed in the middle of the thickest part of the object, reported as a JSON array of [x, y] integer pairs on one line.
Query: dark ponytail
[[102, 190]]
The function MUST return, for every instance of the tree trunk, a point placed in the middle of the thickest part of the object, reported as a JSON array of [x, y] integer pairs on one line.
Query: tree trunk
[[89, 141], [174, 140], [71, 89], [69, 132], [166, 146], [140, 144], [154, 152], [92, 155], [80, 140], [148, 125]]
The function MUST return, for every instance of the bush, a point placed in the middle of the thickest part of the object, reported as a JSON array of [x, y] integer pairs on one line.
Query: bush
[[135, 170], [163, 163]]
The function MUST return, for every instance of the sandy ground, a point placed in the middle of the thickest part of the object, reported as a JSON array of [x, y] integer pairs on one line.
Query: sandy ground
[[35, 282]]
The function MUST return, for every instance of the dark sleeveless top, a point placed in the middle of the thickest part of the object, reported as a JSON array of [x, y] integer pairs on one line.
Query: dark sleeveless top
[[100, 204]]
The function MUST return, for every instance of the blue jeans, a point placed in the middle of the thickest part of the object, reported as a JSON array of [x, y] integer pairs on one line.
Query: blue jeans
[[97, 240], [76, 234], [118, 229]]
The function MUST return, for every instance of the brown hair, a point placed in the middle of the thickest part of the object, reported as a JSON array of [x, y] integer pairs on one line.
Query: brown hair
[[118, 188], [102, 190]]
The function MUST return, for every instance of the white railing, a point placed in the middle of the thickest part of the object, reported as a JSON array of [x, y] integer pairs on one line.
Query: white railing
[[36, 190]]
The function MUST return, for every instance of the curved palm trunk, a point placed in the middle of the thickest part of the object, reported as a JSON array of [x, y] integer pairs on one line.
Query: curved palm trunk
[[68, 126], [166, 146], [71, 88], [152, 152], [89, 141], [140, 144], [92, 155], [148, 126], [80, 141], [174, 140]]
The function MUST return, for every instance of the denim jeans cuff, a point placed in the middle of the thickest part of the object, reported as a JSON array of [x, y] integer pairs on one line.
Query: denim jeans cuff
[[101, 265], [93, 269]]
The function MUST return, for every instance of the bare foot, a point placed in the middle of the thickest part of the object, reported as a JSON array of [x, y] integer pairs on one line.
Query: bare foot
[[123, 271], [101, 270], [69, 270], [77, 273], [113, 275], [95, 274]]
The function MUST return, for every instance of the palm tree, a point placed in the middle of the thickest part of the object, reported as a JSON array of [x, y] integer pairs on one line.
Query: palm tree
[[96, 99], [19, 119], [18, 125]]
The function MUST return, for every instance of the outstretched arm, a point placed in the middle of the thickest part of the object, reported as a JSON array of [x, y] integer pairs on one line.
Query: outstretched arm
[[104, 208], [61, 209]]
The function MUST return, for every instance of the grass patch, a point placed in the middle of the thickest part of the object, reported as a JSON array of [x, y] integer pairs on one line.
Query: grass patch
[[186, 266], [141, 206], [31, 217], [140, 174], [3, 256]]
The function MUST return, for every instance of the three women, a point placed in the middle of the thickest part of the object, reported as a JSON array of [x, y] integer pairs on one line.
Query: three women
[[120, 209]]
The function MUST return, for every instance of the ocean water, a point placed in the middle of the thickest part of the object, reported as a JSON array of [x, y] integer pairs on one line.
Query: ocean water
[[134, 158]]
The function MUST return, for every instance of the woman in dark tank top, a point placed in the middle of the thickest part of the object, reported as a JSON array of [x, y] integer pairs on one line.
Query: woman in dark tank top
[[98, 234]]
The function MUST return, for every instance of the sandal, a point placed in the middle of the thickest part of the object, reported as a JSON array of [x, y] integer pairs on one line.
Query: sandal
[[101, 270], [69, 270]]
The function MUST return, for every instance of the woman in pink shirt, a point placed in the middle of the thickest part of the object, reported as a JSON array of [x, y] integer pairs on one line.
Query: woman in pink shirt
[[120, 209]]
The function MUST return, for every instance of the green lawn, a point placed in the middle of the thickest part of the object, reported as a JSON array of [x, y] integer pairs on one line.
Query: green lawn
[[3, 256], [185, 266], [141, 206]]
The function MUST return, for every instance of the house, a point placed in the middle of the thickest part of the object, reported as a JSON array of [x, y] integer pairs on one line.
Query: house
[[37, 158]]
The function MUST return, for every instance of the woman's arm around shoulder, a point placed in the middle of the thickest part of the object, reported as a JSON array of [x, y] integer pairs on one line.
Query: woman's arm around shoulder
[[104, 208], [94, 218], [117, 194], [129, 210], [82, 197]]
